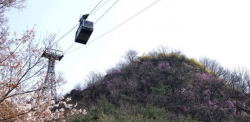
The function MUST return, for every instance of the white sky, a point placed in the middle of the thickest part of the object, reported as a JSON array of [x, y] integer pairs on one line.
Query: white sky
[[217, 29]]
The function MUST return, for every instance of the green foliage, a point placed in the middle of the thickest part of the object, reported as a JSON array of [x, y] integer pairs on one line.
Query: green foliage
[[146, 58], [127, 97], [162, 55], [175, 55], [200, 65], [161, 89], [188, 119], [153, 113], [149, 113], [195, 62], [208, 71], [106, 107]]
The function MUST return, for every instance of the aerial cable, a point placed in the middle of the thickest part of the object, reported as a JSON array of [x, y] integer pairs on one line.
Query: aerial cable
[[117, 26], [106, 11], [74, 26], [12, 52], [45, 48], [95, 7], [65, 34], [100, 6], [68, 49], [71, 30], [86, 28]]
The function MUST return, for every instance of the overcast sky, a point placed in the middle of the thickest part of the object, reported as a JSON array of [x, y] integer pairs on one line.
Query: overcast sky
[[217, 29]]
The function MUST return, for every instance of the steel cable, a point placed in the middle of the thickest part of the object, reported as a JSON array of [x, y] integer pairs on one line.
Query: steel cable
[[65, 34], [106, 11], [95, 8], [100, 6], [74, 26], [68, 48], [117, 25], [71, 30]]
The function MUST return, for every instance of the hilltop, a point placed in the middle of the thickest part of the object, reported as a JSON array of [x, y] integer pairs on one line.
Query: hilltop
[[167, 87]]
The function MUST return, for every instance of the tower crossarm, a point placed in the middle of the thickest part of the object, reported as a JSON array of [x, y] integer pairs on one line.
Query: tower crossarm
[[54, 54]]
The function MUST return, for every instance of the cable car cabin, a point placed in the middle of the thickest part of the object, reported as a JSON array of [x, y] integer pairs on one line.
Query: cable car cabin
[[84, 31]]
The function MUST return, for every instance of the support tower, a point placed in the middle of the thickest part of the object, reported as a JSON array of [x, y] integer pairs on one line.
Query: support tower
[[50, 83]]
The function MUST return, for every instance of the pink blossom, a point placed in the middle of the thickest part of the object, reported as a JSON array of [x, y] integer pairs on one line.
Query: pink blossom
[[243, 104], [133, 65], [207, 92], [222, 109], [185, 109], [230, 106], [207, 77], [209, 102], [115, 71], [215, 107], [190, 86], [163, 66], [184, 92], [241, 95], [147, 63], [84, 112], [68, 99]]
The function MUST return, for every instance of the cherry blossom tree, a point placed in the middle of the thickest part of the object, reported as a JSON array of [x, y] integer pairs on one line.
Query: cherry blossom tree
[[22, 73]]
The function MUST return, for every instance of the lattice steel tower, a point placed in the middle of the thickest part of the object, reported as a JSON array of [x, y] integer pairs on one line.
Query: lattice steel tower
[[50, 83]]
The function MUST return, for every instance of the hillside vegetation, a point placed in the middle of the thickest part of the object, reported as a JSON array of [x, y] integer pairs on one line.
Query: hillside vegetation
[[164, 87]]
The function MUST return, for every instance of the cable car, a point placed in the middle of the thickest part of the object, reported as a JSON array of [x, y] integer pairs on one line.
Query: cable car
[[84, 30]]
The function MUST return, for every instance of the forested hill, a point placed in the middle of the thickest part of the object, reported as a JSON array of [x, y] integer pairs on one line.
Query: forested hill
[[165, 87]]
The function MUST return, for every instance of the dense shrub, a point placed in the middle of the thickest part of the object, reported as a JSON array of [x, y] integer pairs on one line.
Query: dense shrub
[[163, 87]]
